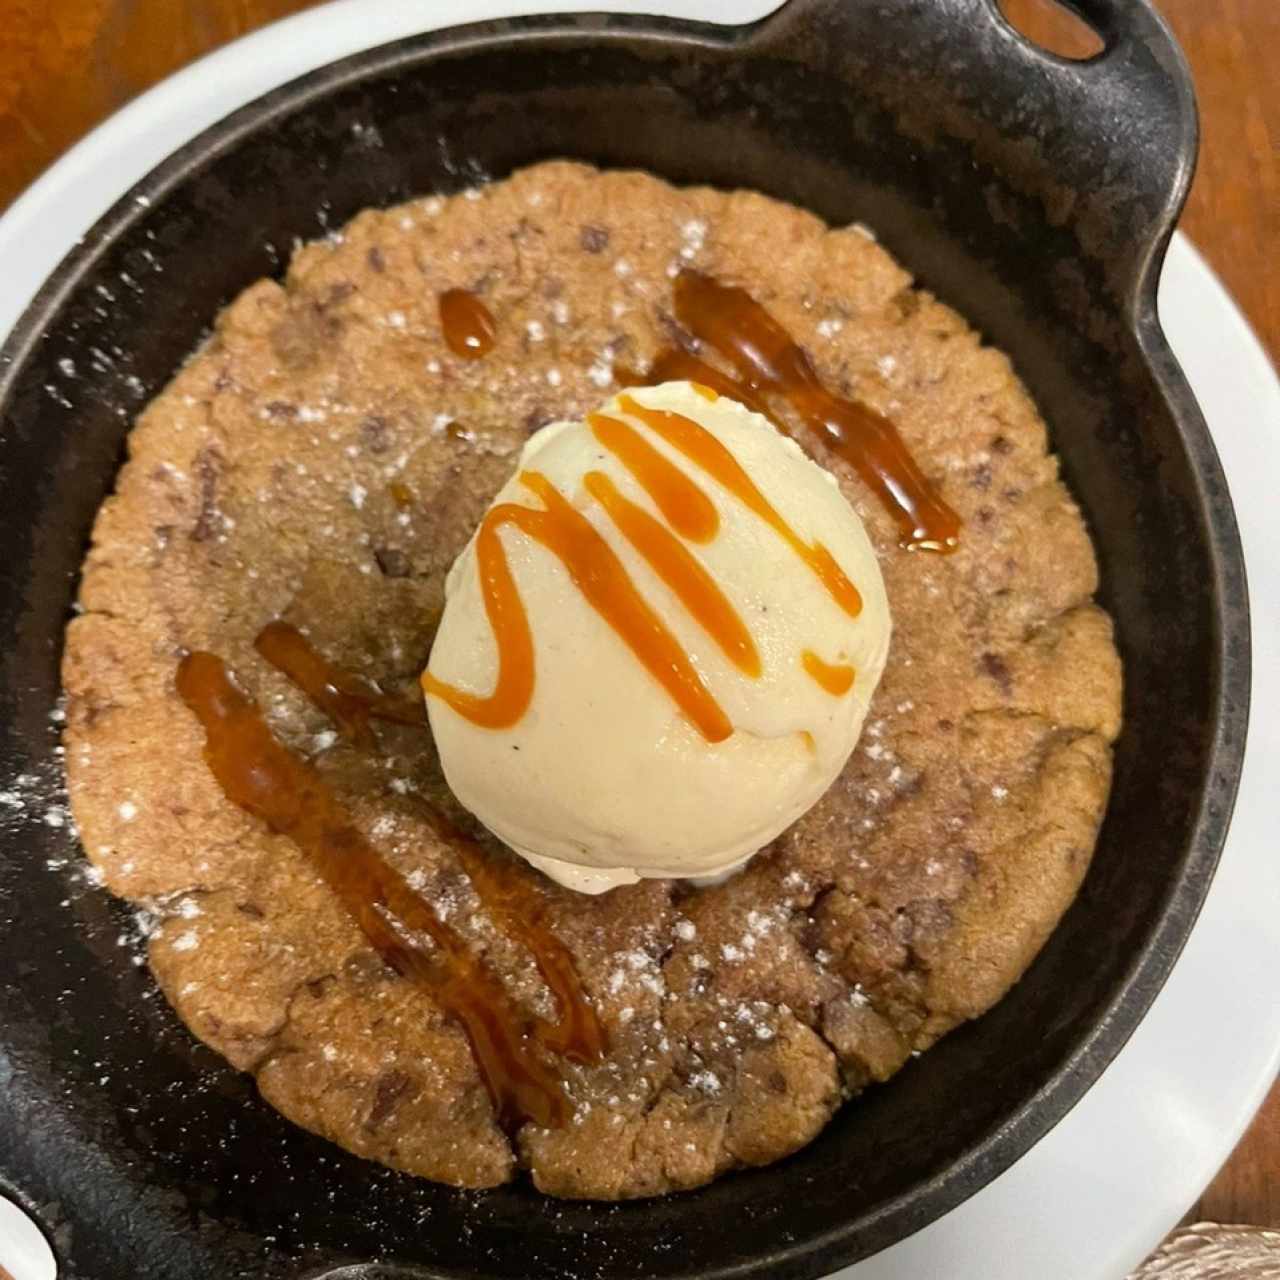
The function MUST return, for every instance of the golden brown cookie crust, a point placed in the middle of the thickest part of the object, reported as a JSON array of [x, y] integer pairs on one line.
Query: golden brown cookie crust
[[270, 479]]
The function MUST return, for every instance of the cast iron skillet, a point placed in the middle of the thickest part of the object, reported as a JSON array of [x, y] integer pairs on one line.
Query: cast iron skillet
[[1035, 195]]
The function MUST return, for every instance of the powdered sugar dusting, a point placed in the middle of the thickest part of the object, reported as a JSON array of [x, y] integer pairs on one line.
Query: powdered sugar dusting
[[38, 797], [706, 1080]]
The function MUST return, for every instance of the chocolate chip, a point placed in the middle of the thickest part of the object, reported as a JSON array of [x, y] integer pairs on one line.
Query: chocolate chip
[[995, 668], [86, 713], [981, 477], [300, 338], [366, 966], [393, 562], [251, 909], [390, 1089], [593, 238], [375, 260], [776, 1082], [912, 785], [209, 469], [339, 292], [280, 409], [374, 434], [924, 918], [536, 418], [906, 302], [676, 333], [1001, 445]]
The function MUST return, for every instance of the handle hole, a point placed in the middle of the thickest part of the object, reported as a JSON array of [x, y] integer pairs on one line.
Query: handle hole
[[1054, 27]]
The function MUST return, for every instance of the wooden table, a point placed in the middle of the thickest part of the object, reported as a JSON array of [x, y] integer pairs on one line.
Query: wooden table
[[65, 64]]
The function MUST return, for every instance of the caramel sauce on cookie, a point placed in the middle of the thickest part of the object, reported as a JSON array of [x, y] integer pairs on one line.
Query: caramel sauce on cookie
[[468, 325], [673, 365], [520, 911], [261, 776], [518, 908], [345, 698], [767, 361]]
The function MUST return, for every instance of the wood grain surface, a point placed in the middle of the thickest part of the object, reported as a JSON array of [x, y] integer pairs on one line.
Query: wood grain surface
[[65, 64]]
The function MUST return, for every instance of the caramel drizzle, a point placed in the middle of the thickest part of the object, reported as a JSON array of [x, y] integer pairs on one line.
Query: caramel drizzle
[[767, 361], [345, 698], [835, 678], [687, 509], [263, 777], [704, 450], [597, 572], [509, 623], [468, 325], [521, 912], [681, 571], [673, 365]]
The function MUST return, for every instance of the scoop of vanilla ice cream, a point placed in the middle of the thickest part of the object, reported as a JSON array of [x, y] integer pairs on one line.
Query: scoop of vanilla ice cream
[[604, 780]]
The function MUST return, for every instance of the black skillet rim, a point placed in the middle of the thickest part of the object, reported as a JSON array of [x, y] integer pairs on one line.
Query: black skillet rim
[[1151, 965]]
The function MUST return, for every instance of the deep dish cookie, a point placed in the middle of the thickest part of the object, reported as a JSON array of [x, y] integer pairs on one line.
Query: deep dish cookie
[[324, 457]]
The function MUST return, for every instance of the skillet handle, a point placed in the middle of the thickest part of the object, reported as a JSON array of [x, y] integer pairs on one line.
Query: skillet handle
[[1109, 143], [1119, 20]]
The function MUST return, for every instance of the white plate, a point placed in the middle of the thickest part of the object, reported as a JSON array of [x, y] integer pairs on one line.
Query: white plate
[[1091, 1199]]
